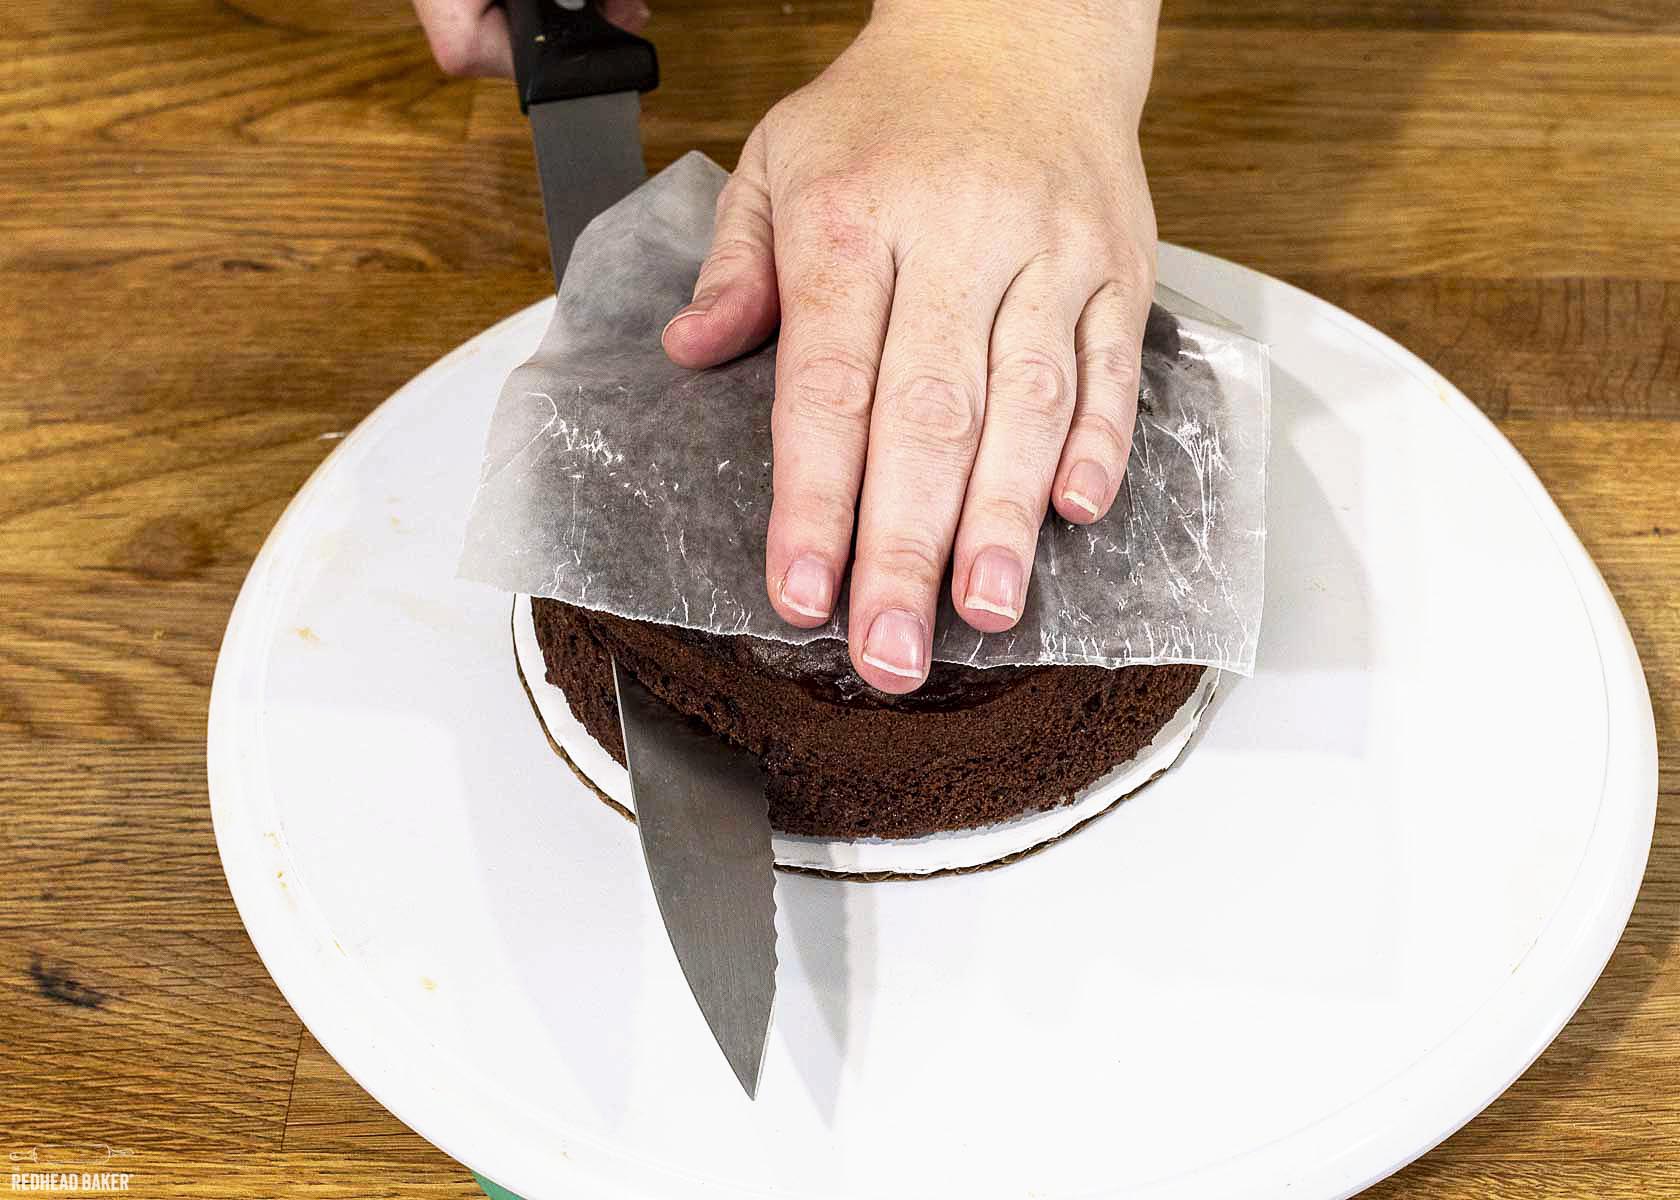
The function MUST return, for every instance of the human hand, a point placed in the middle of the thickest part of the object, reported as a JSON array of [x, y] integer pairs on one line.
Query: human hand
[[953, 228], [470, 37]]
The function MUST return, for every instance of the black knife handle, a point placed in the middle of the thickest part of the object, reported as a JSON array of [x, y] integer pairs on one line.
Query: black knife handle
[[563, 53]]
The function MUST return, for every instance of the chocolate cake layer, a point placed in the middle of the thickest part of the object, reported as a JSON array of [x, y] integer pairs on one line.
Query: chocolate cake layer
[[968, 748]]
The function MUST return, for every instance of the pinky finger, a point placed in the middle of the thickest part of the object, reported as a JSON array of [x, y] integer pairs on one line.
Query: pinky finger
[[1108, 341]]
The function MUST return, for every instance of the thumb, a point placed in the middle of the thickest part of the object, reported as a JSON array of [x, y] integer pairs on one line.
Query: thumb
[[735, 306]]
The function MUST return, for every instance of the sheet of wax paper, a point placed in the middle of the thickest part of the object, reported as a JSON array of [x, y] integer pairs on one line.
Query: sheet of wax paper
[[619, 482]]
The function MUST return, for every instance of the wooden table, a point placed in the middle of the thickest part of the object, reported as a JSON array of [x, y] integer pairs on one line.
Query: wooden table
[[228, 230]]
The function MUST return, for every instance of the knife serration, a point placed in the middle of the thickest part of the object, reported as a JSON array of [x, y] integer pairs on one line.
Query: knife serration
[[704, 823], [589, 157]]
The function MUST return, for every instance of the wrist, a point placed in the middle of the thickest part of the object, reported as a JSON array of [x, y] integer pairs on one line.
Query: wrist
[[1105, 45]]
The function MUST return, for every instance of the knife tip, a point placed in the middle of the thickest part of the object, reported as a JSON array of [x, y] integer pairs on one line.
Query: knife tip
[[747, 1061]]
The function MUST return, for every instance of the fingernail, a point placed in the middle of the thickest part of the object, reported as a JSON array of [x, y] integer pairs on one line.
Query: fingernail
[[808, 587], [697, 309], [994, 583], [1087, 485], [894, 644]]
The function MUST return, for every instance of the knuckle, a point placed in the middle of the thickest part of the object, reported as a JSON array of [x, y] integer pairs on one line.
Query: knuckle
[[1131, 268], [737, 190], [1034, 381], [836, 254], [818, 507], [729, 254], [933, 411], [1080, 243], [908, 558], [1104, 434], [454, 50], [1111, 369], [835, 195], [968, 185], [830, 385], [1007, 515], [840, 214]]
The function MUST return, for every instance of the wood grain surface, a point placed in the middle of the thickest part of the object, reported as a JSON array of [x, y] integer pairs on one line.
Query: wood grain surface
[[229, 229]]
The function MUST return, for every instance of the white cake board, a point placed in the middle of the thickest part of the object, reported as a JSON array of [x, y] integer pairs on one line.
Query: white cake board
[[1383, 878], [957, 850]]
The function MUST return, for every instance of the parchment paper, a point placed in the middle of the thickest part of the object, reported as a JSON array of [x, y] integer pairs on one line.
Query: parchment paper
[[617, 481]]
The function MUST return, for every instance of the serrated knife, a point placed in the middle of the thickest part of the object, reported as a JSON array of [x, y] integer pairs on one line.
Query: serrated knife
[[705, 829], [701, 810]]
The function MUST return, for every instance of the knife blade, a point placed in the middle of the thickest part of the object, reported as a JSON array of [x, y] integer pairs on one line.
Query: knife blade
[[701, 810], [580, 80], [704, 823], [589, 157]]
